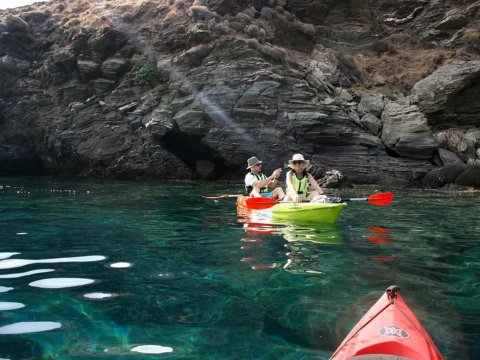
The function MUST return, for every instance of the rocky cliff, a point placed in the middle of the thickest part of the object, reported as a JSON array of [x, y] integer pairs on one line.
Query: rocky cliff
[[385, 91]]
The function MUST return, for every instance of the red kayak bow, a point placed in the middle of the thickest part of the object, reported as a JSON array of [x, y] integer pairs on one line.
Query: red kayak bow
[[389, 330]]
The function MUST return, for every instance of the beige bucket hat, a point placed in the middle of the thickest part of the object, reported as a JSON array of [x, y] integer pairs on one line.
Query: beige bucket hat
[[298, 157]]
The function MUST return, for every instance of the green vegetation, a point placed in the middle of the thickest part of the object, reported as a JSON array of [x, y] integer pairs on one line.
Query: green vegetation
[[146, 74]]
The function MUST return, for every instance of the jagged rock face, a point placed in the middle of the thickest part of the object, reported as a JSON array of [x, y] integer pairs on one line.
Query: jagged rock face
[[191, 89], [450, 95]]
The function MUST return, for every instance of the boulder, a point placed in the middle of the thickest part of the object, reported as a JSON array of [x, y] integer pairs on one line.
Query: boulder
[[455, 141], [435, 91], [60, 67], [469, 177], [446, 157], [406, 131], [15, 24], [114, 68], [446, 175], [88, 69], [106, 42], [371, 123], [371, 104], [454, 19], [193, 56]]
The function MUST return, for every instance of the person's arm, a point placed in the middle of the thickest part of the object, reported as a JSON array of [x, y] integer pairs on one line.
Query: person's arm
[[314, 184], [261, 183], [274, 182]]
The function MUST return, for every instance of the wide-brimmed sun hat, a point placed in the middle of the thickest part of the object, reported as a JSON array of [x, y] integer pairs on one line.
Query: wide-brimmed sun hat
[[298, 157], [252, 162]]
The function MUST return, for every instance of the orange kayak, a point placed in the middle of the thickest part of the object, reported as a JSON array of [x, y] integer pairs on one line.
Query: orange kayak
[[388, 331]]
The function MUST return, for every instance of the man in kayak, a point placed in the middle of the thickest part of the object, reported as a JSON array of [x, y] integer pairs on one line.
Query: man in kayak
[[258, 184], [299, 181]]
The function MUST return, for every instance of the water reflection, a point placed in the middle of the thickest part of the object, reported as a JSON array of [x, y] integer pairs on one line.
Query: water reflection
[[26, 273], [301, 240], [14, 263], [60, 283], [29, 327], [10, 306], [379, 235], [152, 349]]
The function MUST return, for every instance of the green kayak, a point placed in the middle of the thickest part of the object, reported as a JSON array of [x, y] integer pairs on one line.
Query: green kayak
[[308, 212]]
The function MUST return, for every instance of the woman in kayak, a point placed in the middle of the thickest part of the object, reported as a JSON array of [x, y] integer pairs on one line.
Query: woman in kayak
[[258, 184], [299, 181]]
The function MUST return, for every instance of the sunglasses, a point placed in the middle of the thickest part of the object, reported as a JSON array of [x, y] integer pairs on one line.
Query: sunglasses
[[295, 162]]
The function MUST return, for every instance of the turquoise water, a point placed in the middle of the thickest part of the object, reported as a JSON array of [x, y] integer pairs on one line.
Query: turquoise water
[[113, 270]]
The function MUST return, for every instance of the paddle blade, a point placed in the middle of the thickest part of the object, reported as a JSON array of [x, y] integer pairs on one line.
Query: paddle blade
[[260, 203], [381, 199]]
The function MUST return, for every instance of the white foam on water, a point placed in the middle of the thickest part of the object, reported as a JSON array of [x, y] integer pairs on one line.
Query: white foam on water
[[5, 255], [10, 306], [5, 289], [60, 283], [120, 265], [97, 295], [27, 273], [22, 233], [14, 263], [29, 327], [152, 349]]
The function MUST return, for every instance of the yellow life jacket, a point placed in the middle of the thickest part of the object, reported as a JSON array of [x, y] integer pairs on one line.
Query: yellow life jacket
[[301, 186], [259, 177]]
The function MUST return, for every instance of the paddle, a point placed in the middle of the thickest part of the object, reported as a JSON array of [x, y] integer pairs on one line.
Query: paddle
[[218, 197], [380, 199]]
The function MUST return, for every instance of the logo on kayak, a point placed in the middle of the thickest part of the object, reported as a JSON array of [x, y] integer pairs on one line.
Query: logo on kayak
[[394, 331]]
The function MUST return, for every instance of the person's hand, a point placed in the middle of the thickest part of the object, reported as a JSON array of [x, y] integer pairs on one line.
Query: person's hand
[[276, 174], [297, 198]]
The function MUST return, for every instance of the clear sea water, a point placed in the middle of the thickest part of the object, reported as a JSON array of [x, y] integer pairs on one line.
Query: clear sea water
[[93, 269]]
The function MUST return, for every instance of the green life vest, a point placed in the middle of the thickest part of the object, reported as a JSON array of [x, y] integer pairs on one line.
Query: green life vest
[[259, 177], [300, 185]]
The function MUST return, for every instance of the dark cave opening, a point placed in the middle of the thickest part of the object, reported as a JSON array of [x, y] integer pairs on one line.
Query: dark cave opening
[[201, 159], [18, 157], [15, 162]]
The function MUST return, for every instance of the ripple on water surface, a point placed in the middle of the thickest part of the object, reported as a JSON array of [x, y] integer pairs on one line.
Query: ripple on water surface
[[10, 306], [120, 265], [97, 295], [60, 283], [14, 263], [27, 273], [152, 349], [29, 327]]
